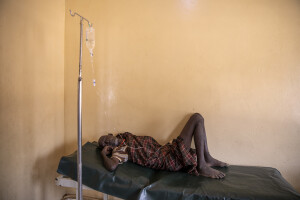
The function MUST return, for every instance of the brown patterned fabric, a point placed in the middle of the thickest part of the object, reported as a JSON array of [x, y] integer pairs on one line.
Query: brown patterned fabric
[[146, 151]]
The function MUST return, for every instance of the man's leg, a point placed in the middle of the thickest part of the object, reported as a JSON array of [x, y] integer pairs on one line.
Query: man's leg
[[212, 162], [195, 127]]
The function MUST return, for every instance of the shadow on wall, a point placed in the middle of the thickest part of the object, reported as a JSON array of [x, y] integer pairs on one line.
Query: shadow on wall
[[44, 174], [177, 130]]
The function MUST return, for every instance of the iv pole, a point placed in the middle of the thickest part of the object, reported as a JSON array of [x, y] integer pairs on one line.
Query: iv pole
[[79, 136]]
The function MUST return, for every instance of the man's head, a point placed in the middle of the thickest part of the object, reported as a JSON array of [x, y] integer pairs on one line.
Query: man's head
[[108, 140]]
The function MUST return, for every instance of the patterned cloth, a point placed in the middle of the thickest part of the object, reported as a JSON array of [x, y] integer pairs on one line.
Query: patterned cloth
[[146, 151], [120, 153]]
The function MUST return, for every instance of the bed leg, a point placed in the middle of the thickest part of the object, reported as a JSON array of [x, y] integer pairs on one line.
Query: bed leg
[[105, 196]]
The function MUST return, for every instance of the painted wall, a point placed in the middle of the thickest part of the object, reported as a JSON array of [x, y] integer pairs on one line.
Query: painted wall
[[156, 62], [31, 98]]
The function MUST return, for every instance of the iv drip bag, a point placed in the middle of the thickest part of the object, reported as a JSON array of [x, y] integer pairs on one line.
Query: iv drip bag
[[90, 38]]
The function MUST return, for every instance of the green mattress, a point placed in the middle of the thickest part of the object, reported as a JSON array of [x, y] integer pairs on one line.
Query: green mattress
[[131, 181]]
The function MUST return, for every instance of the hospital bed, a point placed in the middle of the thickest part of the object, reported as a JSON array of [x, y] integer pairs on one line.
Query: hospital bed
[[131, 181]]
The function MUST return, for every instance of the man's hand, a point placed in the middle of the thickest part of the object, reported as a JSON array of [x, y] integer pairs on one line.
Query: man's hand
[[109, 163], [107, 150]]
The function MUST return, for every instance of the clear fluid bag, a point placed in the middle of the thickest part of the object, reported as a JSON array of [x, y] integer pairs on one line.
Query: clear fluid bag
[[90, 44], [90, 39]]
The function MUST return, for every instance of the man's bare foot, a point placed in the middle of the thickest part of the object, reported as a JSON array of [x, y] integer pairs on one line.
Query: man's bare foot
[[212, 162], [210, 172]]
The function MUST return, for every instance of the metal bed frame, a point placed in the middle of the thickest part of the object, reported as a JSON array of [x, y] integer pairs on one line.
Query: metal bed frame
[[65, 181]]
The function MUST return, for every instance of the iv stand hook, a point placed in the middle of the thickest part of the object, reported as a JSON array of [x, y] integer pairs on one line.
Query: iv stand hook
[[75, 13]]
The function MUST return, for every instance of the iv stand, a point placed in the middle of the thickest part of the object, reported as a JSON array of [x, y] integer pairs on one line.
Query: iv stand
[[79, 136]]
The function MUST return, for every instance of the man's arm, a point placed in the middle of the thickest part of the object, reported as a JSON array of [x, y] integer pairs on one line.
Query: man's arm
[[109, 163]]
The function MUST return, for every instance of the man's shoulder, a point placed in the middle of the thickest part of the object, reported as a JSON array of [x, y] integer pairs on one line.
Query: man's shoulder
[[125, 134]]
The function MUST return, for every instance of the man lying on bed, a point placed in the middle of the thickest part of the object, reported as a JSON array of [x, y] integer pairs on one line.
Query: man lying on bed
[[175, 156]]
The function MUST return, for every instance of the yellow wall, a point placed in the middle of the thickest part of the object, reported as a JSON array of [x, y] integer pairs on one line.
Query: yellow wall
[[31, 98], [236, 62]]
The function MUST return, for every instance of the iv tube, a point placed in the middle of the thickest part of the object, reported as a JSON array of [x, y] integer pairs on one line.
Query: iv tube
[[90, 44]]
